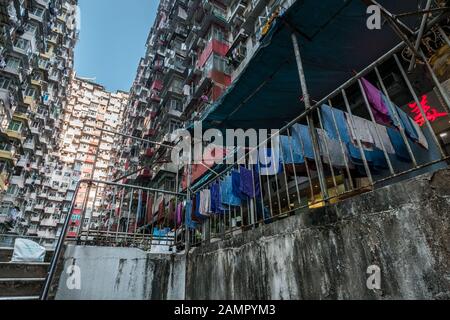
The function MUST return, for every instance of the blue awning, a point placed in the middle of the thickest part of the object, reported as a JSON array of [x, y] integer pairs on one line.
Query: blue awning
[[335, 42]]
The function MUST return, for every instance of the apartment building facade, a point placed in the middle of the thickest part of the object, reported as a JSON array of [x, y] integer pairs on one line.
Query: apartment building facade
[[86, 150], [36, 62], [195, 49]]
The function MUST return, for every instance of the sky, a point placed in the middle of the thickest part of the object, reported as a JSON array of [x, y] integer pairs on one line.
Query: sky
[[112, 40]]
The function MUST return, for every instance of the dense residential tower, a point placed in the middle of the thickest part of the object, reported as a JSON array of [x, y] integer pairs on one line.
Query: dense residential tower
[[36, 63], [86, 150], [195, 49]]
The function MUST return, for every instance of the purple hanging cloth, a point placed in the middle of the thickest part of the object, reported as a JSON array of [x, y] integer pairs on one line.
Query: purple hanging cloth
[[179, 212], [380, 110]]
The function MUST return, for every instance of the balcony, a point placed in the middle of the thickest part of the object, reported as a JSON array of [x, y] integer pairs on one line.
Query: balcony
[[150, 133], [50, 210], [145, 174], [214, 46], [29, 145], [57, 198], [16, 72], [212, 15], [149, 153], [46, 235], [43, 194], [18, 181], [15, 135], [7, 155], [157, 85], [236, 13], [52, 223]]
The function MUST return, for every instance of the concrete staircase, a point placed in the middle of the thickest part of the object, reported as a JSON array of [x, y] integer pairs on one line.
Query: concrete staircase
[[21, 281]]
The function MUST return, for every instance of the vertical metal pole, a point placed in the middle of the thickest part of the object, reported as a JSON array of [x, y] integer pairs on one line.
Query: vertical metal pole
[[262, 195], [120, 213], [419, 53], [177, 189], [444, 35], [327, 150], [253, 201], [188, 196], [137, 217], [269, 190], [437, 83], [113, 208], [59, 245], [358, 140], [285, 178], [420, 35], [397, 118], [84, 207], [129, 211], [343, 147], [369, 108], [290, 139], [308, 173], [322, 180]]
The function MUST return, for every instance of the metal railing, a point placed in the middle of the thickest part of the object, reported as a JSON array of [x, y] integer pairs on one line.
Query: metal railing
[[337, 148], [123, 216], [126, 215]]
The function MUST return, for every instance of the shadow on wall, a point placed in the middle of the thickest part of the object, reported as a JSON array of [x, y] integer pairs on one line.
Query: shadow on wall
[[402, 229]]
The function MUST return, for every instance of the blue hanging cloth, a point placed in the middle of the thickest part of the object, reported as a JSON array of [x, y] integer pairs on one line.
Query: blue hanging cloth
[[227, 195]]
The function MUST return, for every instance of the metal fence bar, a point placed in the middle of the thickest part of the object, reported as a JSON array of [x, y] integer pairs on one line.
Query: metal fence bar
[[358, 140], [309, 119], [377, 129], [419, 105], [396, 117]]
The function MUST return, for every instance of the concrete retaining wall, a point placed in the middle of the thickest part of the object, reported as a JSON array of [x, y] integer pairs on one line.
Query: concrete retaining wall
[[122, 274], [403, 229]]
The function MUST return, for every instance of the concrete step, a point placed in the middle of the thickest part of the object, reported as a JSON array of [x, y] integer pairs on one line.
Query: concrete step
[[23, 270], [19, 298], [6, 254], [14, 288]]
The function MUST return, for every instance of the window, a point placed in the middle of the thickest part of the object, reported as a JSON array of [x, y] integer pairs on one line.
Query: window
[[36, 76], [216, 62], [12, 190], [4, 166], [217, 34], [176, 105], [22, 44], [30, 92], [37, 11], [4, 83], [15, 126], [31, 28], [174, 125], [13, 63], [169, 184]]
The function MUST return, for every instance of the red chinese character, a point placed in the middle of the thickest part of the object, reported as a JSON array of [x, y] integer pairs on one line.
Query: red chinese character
[[431, 113]]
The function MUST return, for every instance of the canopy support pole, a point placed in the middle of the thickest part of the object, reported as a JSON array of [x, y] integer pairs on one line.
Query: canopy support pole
[[418, 53], [420, 35], [309, 118]]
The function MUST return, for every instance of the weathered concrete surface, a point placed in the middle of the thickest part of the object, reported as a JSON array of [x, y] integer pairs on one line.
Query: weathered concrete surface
[[403, 228], [122, 274]]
